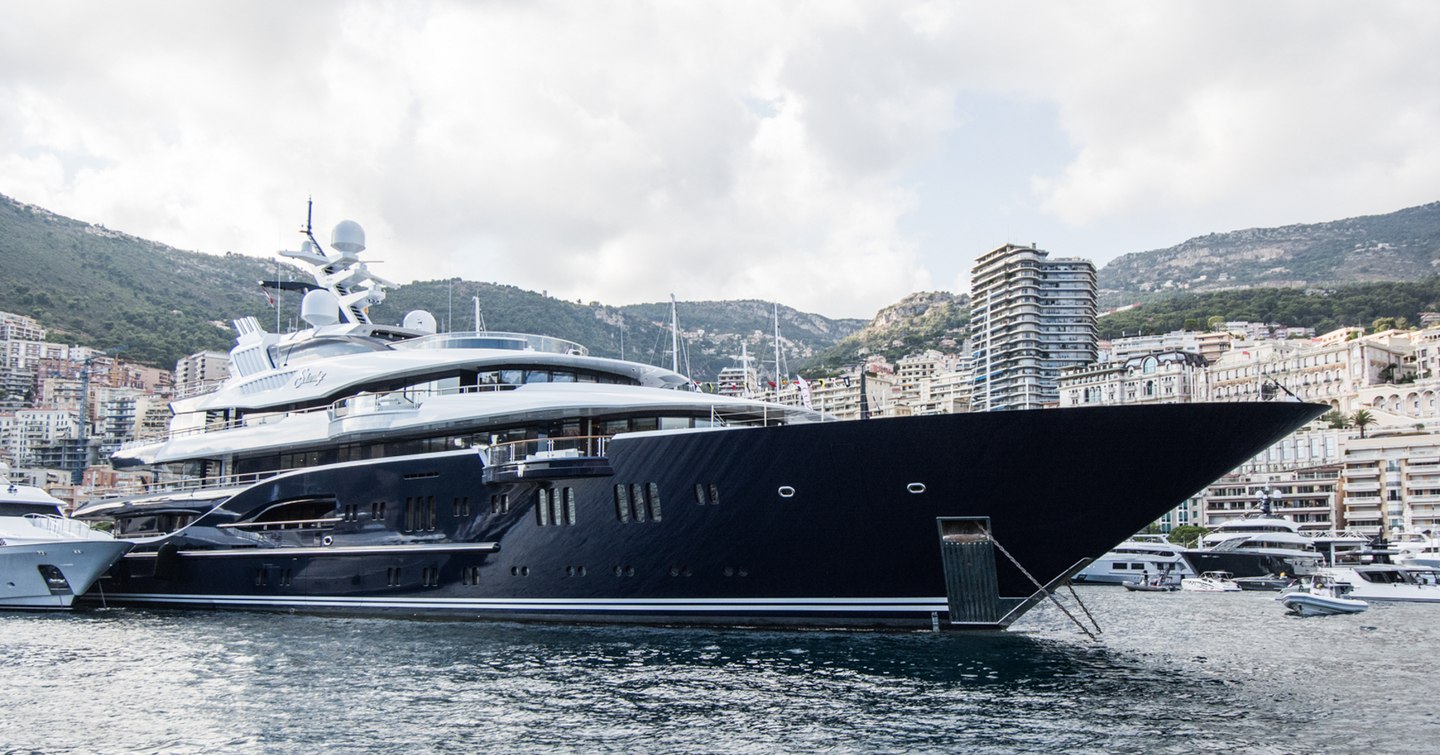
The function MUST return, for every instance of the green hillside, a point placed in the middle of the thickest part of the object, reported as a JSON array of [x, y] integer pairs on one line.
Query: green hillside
[[1402, 245], [96, 287], [1323, 309], [152, 303]]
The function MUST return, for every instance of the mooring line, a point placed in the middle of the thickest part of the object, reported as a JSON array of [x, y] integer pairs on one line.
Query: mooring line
[[1048, 594]]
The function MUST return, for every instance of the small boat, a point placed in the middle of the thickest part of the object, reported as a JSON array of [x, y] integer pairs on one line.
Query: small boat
[[1210, 581], [1270, 582], [1152, 584], [1322, 597]]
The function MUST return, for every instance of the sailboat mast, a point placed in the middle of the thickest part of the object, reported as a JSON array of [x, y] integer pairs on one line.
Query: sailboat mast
[[778, 374], [674, 337]]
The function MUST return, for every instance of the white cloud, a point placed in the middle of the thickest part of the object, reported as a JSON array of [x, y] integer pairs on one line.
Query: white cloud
[[622, 152]]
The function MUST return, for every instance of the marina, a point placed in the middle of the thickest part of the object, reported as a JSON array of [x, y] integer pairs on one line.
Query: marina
[[1183, 672]]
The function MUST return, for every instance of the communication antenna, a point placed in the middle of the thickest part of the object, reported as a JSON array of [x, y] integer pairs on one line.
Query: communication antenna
[[309, 217]]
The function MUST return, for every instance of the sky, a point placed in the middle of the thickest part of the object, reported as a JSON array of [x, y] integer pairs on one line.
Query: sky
[[834, 156]]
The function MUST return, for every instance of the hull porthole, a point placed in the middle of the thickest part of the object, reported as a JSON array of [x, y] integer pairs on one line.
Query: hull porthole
[[916, 487], [786, 491]]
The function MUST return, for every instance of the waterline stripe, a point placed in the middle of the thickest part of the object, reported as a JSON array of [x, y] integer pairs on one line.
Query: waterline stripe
[[335, 550], [562, 604]]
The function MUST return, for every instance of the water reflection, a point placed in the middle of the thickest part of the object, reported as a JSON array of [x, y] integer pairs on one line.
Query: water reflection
[[1232, 676]]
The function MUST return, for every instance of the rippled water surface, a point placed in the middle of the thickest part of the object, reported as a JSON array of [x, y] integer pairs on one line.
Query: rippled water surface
[[1177, 672]]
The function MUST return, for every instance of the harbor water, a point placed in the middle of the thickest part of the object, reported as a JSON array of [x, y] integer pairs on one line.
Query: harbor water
[[1181, 672]]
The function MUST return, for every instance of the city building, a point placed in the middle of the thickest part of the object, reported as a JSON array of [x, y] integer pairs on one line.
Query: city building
[[1169, 377], [1030, 318], [200, 372]]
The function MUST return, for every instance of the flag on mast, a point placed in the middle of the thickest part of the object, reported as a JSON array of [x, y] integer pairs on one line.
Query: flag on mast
[[804, 391]]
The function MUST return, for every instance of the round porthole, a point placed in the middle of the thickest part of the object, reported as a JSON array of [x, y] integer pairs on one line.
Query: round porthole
[[916, 487], [327, 540], [786, 491]]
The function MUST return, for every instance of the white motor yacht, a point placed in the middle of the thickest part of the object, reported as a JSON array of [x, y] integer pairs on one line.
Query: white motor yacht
[[46, 559], [1136, 559], [1210, 581], [1410, 582]]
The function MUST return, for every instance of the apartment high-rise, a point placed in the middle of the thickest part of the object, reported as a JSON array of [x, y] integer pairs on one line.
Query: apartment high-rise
[[1030, 316]]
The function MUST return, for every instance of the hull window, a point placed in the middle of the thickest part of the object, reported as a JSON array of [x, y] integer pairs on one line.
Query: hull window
[[637, 502], [420, 514], [622, 504], [555, 506]]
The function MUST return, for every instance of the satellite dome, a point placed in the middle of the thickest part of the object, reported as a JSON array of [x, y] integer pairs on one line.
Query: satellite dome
[[348, 236], [320, 308], [419, 320]]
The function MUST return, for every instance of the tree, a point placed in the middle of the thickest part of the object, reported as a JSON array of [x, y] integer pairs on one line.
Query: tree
[[1187, 534], [1362, 419], [1335, 419]]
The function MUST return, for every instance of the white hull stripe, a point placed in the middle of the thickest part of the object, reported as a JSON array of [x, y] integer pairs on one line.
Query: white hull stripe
[[339, 550], [925, 605]]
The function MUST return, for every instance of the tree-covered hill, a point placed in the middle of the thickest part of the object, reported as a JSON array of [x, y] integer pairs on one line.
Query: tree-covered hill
[[1402, 245], [96, 287], [926, 320], [1323, 309], [92, 286]]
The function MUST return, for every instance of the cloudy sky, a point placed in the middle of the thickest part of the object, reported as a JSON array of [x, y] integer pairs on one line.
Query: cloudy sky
[[831, 155]]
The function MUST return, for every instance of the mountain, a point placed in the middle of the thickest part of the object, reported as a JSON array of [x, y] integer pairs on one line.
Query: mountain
[[96, 287], [1403, 245], [925, 320], [711, 331], [153, 304]]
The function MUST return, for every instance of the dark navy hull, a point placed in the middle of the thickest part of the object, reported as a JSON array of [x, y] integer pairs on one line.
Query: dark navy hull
[[856, 542], [1245, 564]]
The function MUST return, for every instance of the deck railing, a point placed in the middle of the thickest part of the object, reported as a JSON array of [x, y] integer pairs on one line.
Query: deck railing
[[570, 446], [62, 526], [188, 484]]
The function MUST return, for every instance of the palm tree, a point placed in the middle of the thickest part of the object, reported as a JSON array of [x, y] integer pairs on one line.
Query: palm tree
[[1335, 419], [1362, 419]]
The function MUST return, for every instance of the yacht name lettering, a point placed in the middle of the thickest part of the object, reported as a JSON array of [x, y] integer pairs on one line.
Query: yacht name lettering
[[309, 377]]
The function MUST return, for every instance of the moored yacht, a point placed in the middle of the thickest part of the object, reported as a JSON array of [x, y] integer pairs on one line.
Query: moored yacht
[[1136, 559], [1409, 583], [47, 559], [1256, 545], [357, 467]]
